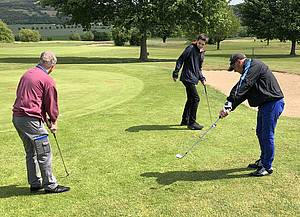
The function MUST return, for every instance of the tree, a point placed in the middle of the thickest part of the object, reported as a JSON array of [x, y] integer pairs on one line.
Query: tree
[[259, 18], [166, 22], [28, 35], [6, 35], [288, 22], [271, 19], [224, 24], [147, 16], [198, 16]]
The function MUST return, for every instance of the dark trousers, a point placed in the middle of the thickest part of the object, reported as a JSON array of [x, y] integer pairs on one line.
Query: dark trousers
[[192, 102], [266, 123]]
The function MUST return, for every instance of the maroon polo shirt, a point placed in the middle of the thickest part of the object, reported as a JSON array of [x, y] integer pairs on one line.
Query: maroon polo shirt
[[36, 96]]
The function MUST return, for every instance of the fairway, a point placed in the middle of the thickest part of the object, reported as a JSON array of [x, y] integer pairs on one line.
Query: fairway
[[119, 133]]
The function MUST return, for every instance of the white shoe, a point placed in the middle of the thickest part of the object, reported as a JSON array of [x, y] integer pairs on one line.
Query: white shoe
[[261, 171]]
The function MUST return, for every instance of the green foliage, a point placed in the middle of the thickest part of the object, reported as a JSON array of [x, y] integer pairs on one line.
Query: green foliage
[[259, 19], [135, 37], [224, 24], [87, 36], [6, 35], [120, 36], [28, 35], [102, 36], [75, 37], [243, 32], [199, 16], [166, 23], [273, 19]]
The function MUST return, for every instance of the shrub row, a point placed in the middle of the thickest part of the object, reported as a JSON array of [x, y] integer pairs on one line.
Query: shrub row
[[119, 35]]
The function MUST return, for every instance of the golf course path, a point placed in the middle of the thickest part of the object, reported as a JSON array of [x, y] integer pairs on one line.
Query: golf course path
[[290, 84]]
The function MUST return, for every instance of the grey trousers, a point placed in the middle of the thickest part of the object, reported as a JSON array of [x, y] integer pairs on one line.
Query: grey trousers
[[38, 152]]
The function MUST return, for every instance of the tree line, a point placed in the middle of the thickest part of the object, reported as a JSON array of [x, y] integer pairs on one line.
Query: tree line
[[156, 17], [265, 19]]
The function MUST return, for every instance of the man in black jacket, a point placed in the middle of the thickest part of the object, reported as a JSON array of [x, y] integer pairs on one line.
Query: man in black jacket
[[259, 86], [191, 59]]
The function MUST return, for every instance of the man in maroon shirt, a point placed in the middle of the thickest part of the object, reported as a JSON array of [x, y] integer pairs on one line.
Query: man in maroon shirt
[[36, 99]]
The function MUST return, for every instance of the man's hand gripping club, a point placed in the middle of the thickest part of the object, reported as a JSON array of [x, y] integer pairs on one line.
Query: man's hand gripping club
[[226, 109], [51, 125]]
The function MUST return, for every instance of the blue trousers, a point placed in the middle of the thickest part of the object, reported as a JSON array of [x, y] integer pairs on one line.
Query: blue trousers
[[267, 117]]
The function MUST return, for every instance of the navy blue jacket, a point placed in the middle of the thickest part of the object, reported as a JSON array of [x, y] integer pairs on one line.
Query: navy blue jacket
[[192, 60], [258, 87]]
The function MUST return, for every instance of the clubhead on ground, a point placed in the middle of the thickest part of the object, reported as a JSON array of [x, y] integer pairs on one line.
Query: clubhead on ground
[[179, 156]]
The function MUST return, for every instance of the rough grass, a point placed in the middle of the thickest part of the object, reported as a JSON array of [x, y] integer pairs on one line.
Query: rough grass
[[119, 135]]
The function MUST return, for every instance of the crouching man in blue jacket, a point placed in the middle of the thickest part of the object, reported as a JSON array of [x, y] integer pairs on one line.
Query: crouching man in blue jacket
[[259, 86]]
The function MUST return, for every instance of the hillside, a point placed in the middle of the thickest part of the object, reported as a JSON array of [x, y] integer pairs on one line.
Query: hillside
[[26, 12]]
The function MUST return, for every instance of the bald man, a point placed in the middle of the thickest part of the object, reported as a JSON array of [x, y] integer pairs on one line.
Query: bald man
[[35, 101]]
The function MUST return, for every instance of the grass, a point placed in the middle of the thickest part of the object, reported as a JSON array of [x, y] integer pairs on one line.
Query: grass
[[119, 134]]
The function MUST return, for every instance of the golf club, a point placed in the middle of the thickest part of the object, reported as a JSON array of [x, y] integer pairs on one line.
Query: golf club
[[206, 95], [61, 155], [179, 156]]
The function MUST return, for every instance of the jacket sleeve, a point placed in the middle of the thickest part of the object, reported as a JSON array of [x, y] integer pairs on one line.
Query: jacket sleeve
[[51, 102], [201, 76], [185, 54], [238, 93]]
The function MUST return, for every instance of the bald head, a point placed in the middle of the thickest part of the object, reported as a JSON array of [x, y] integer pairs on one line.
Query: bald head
[[48, 59]]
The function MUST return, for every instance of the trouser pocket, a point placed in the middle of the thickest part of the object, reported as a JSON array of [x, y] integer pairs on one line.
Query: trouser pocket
[[42, 144]]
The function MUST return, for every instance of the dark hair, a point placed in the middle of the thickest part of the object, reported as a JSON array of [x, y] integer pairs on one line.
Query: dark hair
[[202, 37]]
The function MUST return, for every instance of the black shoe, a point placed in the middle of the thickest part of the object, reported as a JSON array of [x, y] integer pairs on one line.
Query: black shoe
[[183, 123], [195, 126], [255, 165], [35, 189], [58, 189], [261, 171]]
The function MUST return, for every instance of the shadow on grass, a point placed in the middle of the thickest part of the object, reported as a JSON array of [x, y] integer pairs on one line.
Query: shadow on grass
[[168, 178], [135, 129], [82, 60], [14, 190]]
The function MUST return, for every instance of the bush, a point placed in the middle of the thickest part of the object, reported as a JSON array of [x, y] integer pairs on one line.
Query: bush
[[120, 36], [135, 38], [6, 35], [102, 36], [28, 35], [75, 37], [87, 36]]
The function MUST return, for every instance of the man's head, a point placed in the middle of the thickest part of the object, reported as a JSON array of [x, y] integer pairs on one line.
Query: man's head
[[201, 41], [48, 60], [236, 62]]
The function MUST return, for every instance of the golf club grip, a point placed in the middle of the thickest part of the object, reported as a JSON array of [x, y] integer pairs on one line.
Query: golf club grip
[[205, 89]]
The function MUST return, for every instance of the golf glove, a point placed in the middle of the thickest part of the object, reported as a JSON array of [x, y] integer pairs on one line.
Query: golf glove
[[175, 75], [227, 106]]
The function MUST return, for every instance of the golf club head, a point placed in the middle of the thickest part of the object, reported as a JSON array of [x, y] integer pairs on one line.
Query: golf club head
[[179, 156]]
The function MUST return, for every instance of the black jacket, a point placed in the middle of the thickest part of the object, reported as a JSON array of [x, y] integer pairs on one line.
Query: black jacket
[[258, 87], [192, 60]]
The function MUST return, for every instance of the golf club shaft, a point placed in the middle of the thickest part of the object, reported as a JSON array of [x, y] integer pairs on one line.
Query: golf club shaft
[[206, 95], [60, 154], [202, 136]]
